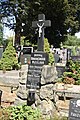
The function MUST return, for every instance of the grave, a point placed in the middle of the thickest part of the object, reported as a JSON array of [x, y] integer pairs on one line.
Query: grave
[[60, 60], [74, 109], [37, 89], [38, 59]]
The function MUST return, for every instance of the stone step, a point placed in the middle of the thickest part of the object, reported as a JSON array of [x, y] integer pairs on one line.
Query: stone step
[[10, 73]]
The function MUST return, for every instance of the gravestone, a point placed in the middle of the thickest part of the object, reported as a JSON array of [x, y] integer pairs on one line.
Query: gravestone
[[68, 54], [1, 51], [74, 109], [60, 56], [60, 70], [56, 57], [38, 59]]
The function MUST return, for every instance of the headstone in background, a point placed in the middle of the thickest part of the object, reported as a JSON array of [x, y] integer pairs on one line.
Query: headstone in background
[[60, 54], [25, 55], [63, 55], [60, 70], [68, 54], [74, 109], [1, 51], [56, 57]]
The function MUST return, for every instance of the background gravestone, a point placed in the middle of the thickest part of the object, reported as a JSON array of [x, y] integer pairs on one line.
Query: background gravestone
[[60, 70], [68, 54], [25, 55], [74, 109], [1, 51]]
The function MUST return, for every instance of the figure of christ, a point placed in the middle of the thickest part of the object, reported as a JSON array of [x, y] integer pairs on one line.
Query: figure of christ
[[40, 29]]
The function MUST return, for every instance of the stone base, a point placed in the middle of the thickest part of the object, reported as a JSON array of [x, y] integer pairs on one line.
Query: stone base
[[19, 101], [39, 98]]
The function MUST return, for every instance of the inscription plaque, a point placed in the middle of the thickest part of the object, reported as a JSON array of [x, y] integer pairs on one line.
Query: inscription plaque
[[74, 109], [38, 59]]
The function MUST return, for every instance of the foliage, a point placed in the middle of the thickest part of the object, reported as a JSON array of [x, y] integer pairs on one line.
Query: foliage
[[47, 50], [74, 53], [9, 59], [64, 15], [26, 42], [68, 78], [72, 40], [72, 75], [24, 112]]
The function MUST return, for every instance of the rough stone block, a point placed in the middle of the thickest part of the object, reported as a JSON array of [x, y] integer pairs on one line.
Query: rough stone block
[[46, 91], [47, 108], [49, 74]]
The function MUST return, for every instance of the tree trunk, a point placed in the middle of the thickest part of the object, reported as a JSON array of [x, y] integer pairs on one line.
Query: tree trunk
[[17, 31]]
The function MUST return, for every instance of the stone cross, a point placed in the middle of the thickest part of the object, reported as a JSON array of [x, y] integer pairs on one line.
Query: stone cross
[[41, 24]]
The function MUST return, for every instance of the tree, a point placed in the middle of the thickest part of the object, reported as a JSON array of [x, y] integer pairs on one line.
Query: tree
[[47, 50], [18, 9], [1, 35], [72, 41], [63, 16], [62, 13]]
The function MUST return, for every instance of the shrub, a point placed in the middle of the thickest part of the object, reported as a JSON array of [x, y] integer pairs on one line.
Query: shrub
[[72, 76], [24, 112], [9, 59], [47, 50]]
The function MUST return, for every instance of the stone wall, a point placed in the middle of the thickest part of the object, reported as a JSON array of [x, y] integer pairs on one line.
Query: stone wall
[[41, 98]]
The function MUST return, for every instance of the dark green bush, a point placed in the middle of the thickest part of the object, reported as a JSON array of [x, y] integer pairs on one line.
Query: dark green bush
[[9, 59]]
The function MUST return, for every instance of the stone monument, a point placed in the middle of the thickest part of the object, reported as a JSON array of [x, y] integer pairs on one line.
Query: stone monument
[[40, 77]]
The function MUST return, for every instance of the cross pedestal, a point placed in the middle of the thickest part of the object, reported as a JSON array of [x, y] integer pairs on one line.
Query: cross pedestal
[[41, 24]]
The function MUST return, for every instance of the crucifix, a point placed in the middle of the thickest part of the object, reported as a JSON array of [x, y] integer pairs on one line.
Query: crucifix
[[41, 24]]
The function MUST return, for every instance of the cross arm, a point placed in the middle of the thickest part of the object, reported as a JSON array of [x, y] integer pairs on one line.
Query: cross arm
[[47, 23]]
